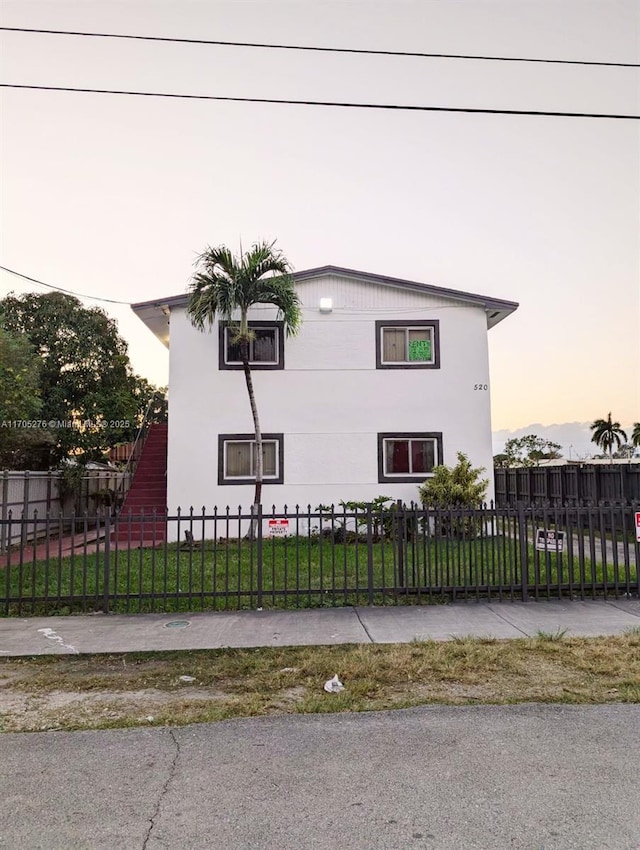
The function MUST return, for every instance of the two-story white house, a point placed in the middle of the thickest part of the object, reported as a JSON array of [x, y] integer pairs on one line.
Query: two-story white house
[[387, 379]]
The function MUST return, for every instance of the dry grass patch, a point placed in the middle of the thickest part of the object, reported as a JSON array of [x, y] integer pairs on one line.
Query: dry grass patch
[[101, 691]]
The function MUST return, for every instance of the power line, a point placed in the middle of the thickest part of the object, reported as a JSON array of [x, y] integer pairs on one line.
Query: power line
[[60, 289], [361, 51], [395, 106]]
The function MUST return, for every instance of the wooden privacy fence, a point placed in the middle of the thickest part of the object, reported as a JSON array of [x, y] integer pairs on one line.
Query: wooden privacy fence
[[617, 484]]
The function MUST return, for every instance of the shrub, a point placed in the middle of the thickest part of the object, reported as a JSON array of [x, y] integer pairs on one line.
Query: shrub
[[455, 488], [333, 522]]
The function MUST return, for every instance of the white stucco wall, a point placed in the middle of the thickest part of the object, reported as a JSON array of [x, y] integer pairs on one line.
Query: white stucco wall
[[330, 401]]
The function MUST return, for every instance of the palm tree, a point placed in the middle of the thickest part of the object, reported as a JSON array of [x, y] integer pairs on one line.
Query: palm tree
[[226, 287], [606, 434], [635, 434]]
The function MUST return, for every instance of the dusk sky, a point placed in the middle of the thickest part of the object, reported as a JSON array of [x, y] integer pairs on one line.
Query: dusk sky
[[114, 196]]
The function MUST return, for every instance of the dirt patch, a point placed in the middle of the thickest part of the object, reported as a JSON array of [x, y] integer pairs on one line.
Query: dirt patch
[[23, 712]]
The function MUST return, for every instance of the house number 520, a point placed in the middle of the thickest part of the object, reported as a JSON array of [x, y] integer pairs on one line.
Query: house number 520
[[481, 386]]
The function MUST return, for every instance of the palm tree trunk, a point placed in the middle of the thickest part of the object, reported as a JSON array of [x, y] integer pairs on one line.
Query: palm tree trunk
[[251, 534]]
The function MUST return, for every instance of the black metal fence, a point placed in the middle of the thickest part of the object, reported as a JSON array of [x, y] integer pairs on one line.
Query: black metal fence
[[311, 558], [22, 493], [617, 484]]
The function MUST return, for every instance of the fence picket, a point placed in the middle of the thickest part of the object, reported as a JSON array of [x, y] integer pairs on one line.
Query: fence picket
[[317, 557]]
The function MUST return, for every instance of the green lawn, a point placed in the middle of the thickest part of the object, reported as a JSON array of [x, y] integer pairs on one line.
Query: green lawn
[[296, 573]]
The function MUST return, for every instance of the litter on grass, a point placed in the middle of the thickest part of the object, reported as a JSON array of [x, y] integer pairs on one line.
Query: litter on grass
[[187, 678], [333, 686]]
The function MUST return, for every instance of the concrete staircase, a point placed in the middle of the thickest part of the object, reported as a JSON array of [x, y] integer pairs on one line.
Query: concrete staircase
[[137, 524]]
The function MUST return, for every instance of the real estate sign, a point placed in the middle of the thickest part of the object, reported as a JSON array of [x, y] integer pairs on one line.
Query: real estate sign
[[420, 349], [549, 541]]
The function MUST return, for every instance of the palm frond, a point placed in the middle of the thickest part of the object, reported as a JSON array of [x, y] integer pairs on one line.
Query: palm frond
[[209, 297], [213, 287], [607, 433], [224, 285], [216, 261], [281, 293]]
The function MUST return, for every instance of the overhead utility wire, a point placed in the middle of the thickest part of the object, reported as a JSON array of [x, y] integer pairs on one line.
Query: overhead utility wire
[[361, 51], [60, 289], [399, 107]]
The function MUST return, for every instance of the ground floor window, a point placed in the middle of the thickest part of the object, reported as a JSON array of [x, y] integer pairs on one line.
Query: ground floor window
[[237, 458], [408, 456]]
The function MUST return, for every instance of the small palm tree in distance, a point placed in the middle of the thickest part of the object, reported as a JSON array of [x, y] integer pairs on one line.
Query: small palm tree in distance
[[607, 434]]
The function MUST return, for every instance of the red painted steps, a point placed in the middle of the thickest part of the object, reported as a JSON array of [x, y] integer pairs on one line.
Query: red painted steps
[[142, 518]]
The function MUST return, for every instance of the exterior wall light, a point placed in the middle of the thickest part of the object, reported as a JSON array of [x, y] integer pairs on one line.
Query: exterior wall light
[[326, 305]]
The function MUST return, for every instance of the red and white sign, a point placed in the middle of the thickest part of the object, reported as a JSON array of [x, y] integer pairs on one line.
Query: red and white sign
[[638, 526], [278, 527]]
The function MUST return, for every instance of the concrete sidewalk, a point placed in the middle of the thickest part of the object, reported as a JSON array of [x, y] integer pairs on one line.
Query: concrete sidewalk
[[96, 633]]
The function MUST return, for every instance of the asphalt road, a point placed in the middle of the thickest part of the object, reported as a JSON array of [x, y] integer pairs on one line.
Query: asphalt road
[[539, 777]]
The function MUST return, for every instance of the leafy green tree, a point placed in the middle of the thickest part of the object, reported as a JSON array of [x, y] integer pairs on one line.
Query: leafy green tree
[[625, 452], [151, 400], [86, 382], [607, 434], [527, 451], [21, 446], [635, 434], [457, 487], [226, 287], [501, 460], [19, 378]]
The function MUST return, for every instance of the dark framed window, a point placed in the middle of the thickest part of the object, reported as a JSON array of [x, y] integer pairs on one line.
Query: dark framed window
[[266, 349], [237, 458], [408, 456], [411, 344]]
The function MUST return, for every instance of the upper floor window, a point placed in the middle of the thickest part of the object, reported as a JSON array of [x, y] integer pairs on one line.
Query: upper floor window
[[266, 348], [408, 344]]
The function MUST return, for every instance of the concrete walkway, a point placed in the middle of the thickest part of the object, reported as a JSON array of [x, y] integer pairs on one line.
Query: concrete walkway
[[96, 633], [55, 548]]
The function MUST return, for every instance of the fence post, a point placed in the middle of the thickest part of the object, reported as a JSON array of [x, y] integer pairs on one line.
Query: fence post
[[635, 507], [400, 541], [25, 509], [524, 552], [370, 552], [5, 510], [259, 577], [107, 559]]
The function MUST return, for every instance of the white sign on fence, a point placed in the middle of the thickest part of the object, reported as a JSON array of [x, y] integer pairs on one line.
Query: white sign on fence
[[278, 527], [638, 526], [549, 541]]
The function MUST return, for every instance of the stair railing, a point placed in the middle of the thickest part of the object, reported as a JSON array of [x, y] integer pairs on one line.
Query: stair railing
[[134, 456]]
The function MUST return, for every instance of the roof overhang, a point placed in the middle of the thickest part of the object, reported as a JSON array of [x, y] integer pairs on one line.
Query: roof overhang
[[155, 314]]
